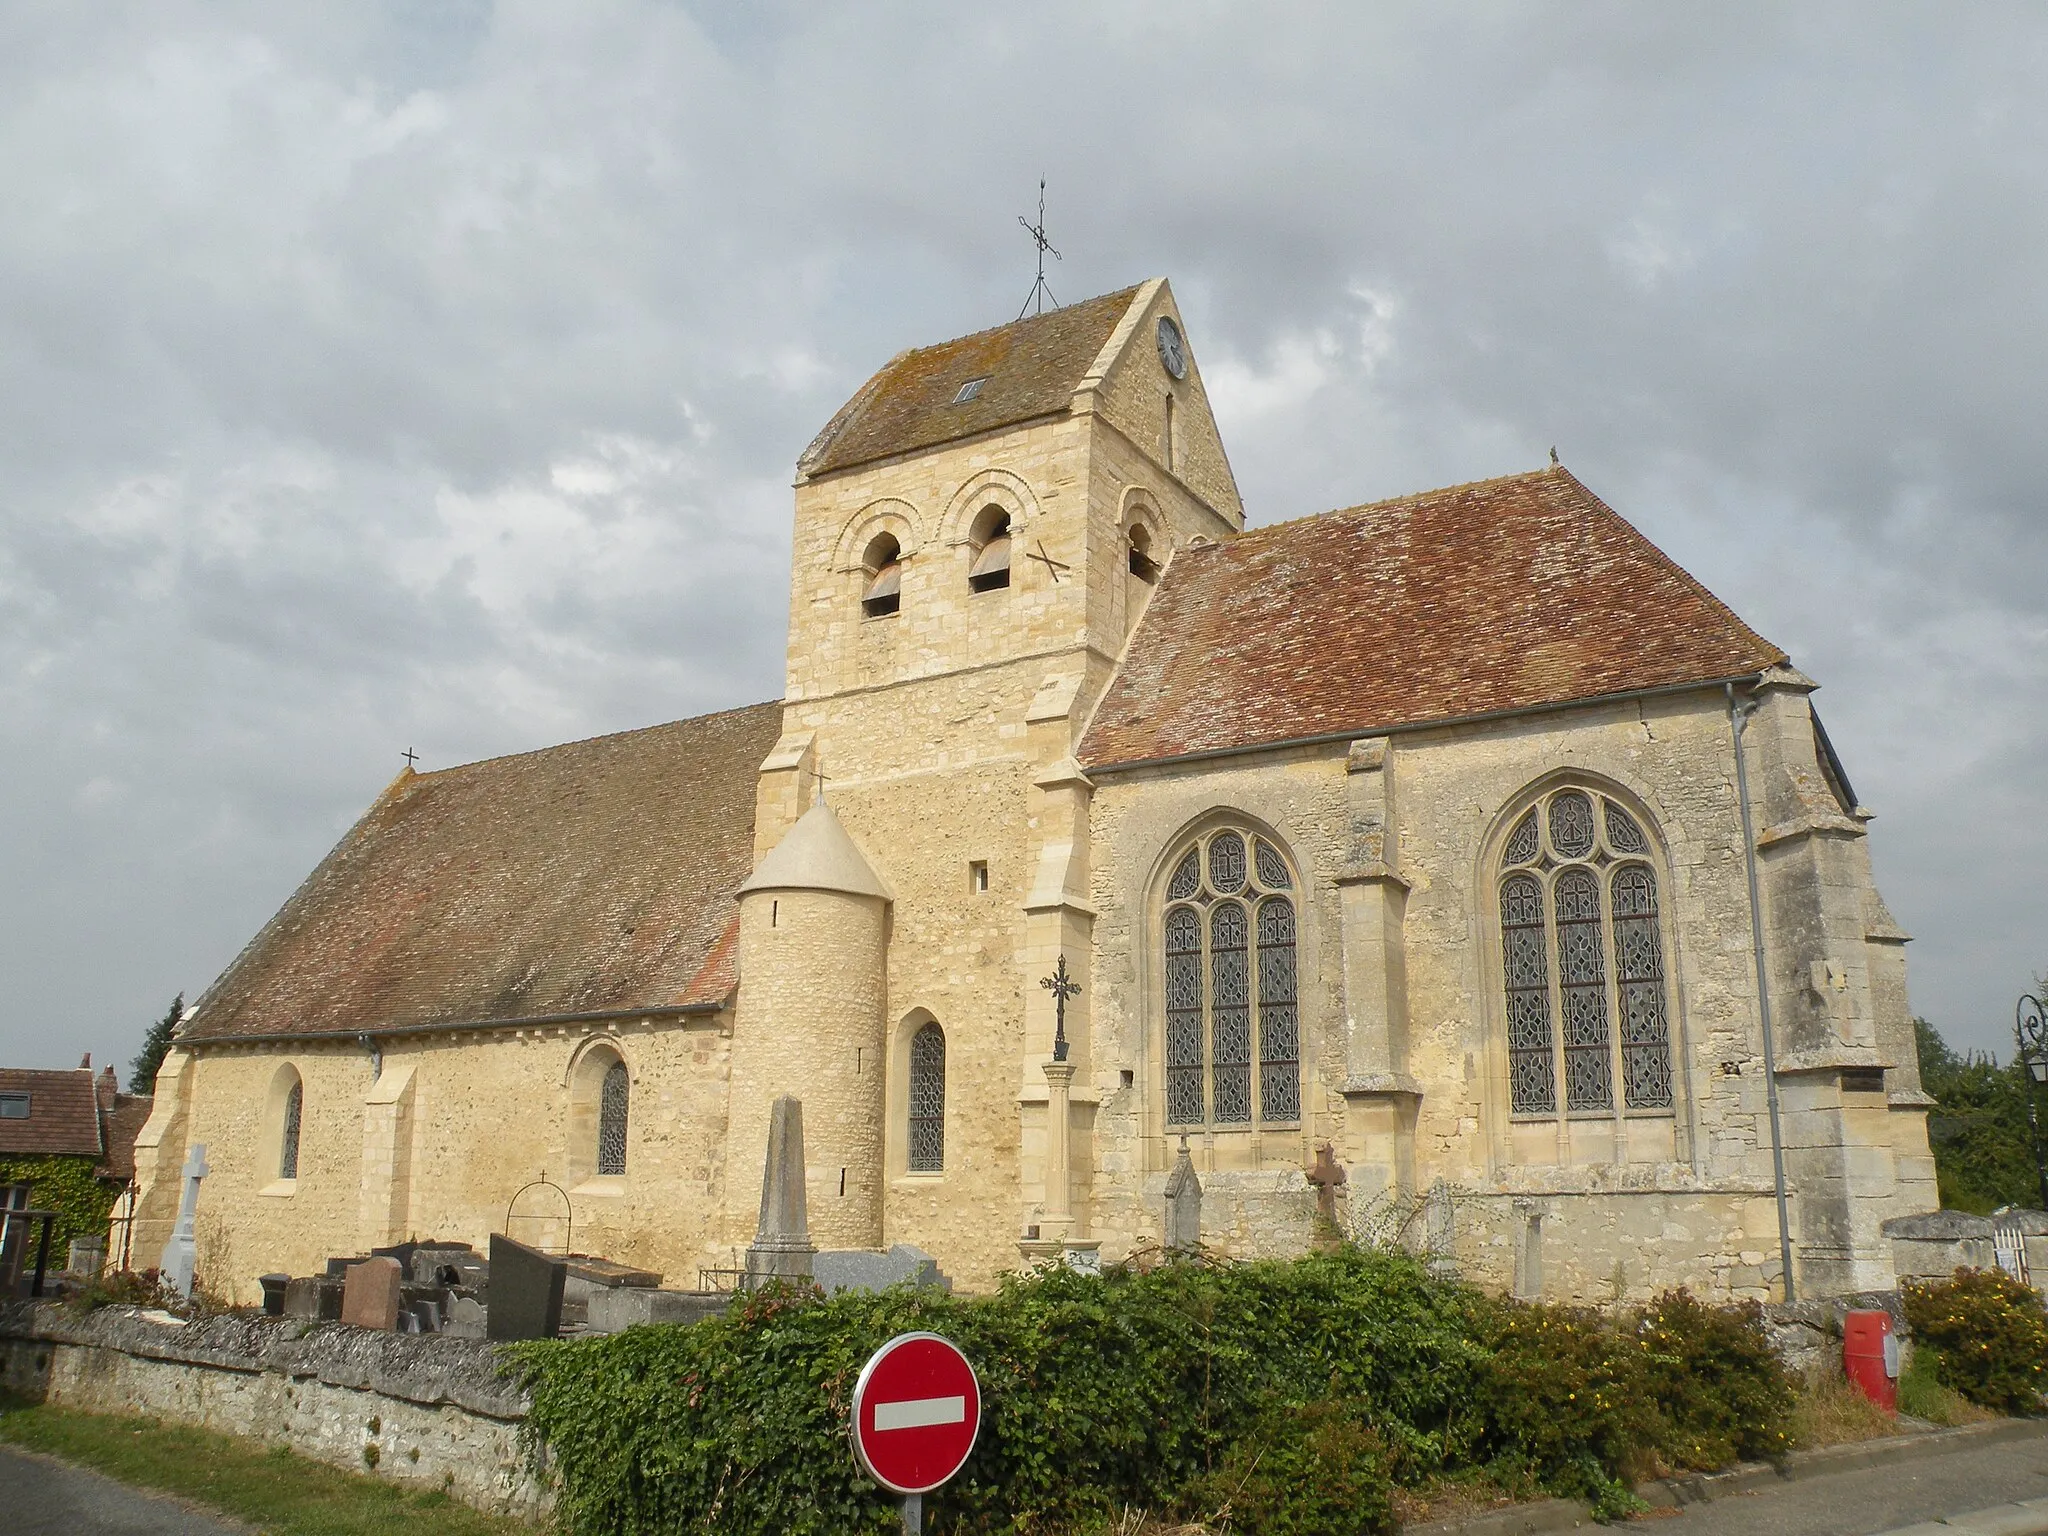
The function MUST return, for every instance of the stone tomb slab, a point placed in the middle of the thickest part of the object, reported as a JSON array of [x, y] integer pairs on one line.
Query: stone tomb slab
[[315, 1297], [370, 1294], [526, 1291]]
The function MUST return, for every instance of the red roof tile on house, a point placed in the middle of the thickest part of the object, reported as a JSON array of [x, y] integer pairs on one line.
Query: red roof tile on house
[[592, 877], [1500, 596], [63, 1114], [1031, 368]]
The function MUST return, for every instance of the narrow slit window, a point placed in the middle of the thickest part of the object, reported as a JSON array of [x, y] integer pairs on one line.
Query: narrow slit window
[[288, 1142], [611, 1119], [928, 1100]]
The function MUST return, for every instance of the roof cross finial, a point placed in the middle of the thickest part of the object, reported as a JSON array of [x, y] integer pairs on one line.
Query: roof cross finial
[[1039, 292], [410, 757]]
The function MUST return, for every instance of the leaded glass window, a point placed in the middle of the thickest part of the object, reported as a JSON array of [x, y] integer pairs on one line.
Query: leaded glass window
[[611, 1119], [1233, 1026], [288, 1149], [1582, 961], [928, 1100]]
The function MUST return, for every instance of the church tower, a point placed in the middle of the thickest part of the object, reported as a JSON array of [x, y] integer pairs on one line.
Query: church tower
[[977, 530]]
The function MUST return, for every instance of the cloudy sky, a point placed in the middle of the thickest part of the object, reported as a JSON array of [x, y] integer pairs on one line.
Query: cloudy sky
[[414, 375]]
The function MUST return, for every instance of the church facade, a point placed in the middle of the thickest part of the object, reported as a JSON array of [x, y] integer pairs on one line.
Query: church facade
[[1463, 834]]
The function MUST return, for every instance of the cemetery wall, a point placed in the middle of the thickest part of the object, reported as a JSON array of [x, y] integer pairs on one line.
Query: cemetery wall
[[427, 1412]]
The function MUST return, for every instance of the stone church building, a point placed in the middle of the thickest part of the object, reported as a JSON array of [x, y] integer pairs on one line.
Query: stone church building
[[1416, 829]]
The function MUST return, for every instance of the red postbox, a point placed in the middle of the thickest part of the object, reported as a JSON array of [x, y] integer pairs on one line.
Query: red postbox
[[1870, 1357]]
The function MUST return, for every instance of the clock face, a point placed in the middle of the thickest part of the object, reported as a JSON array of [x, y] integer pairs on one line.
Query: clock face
[[1171, 353]]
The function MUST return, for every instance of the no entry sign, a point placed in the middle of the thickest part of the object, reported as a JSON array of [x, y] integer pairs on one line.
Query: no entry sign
[[916, 1411]]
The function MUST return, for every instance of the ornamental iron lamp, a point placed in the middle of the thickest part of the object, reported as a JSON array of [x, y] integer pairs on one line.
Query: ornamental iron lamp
[[2030, 1025]]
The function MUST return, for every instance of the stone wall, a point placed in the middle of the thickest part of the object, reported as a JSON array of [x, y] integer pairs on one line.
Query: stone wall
[[422, 1411]]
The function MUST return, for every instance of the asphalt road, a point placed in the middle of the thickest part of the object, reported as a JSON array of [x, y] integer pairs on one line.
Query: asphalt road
[[1867, 1500], [42, 1497]]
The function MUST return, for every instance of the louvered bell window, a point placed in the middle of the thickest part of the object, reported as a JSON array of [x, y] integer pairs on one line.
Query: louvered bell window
[[928, 1100], [1227, 941], [1582, 961]]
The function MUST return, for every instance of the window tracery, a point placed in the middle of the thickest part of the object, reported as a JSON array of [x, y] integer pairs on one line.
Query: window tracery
[[1582, 961], [928, 1099], [1228, 941], [612, 1101]]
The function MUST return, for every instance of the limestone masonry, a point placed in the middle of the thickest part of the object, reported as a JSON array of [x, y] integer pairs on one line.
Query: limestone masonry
[[1414, 830]]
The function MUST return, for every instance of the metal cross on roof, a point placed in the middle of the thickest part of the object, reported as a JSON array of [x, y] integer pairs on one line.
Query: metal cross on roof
[[1061, 986], [1039, 292], [411, 757]]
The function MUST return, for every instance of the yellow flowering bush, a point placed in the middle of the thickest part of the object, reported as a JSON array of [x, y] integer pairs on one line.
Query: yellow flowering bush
[[1988, 1333]]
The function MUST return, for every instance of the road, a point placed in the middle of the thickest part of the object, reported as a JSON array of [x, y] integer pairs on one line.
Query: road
[[43, 1497]]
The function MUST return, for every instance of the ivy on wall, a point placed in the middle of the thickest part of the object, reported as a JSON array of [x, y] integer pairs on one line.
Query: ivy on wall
[[70, 1187]]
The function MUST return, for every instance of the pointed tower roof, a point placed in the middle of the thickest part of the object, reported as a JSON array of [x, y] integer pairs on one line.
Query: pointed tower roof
[[818, 854]]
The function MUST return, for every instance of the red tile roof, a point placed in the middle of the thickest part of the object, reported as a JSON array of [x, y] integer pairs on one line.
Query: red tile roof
[[1505, 595], [63, 1114], [1032, 368], [124, 1120], [592, 877]]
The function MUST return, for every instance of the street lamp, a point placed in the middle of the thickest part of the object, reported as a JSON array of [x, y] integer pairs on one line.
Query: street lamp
[[2030, 1024]]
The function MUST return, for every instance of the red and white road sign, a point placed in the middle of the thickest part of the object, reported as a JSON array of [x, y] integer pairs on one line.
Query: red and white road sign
[[916, 1411]]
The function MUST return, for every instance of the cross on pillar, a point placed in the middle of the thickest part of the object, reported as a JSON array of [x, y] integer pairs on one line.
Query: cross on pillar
[[1061, 986]]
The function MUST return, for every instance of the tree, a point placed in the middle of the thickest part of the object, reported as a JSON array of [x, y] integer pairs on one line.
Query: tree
[[142, 1070], [1978, 1127]]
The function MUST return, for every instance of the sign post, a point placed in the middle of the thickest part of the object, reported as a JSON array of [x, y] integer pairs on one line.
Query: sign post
[[916, 1412]]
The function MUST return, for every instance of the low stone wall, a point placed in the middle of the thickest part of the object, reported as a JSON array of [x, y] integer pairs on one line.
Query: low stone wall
[[423, 1410], [1807, 1335]]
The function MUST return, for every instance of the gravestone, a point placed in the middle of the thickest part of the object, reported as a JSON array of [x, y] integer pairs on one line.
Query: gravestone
[[1327, 1178], [1440, 1232], [274, 1288], [526, 1291], [782, 1241], [1183, 1205], [181, 1253], [863, 1269], [369, 1294], [316, 1298], [87, 1256]]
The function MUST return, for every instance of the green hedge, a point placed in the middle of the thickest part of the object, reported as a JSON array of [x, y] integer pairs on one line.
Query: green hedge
[[68, 1186], [1988, 1334], [1338, 1374]]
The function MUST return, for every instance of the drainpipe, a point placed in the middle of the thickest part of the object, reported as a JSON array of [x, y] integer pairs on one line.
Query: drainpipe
[[369, 1043], [1738, 722]]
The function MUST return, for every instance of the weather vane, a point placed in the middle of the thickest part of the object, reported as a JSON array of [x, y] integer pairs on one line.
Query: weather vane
[[1039, 292], [1061, 986]]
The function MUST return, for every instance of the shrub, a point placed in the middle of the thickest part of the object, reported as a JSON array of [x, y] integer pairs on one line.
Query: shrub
[[1720, 1391], [1315, 1470], [1988, 1334]]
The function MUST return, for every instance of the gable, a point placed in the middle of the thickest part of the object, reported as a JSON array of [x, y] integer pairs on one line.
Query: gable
[[1506, 595], [593, 877], [1131, 396]]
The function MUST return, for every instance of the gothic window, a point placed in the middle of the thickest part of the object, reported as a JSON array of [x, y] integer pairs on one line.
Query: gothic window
[[928, 1100], [882, 592], [611, 1119], [990, 541], [1233, 1030], [288, 1142], [1582, 961]]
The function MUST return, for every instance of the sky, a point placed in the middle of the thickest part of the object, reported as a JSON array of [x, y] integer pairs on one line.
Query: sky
[[429, 376]]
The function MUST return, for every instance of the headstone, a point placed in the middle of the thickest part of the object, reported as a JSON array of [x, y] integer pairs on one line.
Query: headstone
[[1529, 1251], [1183, 1205], [86, 1255], [526, 1291], [863, 1269], [369, 1294], [181, 1253], [1327, 1178], [274, 1287], [782, 1242], [316, 1298], [1440, 1231], [465, 1318]]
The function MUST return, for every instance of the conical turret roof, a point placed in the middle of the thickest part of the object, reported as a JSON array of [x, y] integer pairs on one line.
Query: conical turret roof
[[818, 854]]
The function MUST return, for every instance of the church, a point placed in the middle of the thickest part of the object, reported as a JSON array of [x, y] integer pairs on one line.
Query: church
[[1464, 835]]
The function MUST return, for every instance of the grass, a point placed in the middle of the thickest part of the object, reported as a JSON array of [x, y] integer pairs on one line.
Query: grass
[[271, 1487], [1829, 1411], [1921, 1395]]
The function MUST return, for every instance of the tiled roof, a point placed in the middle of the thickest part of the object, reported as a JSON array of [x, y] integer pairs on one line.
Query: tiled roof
[[125, 1118], [1500, 596], [1032, 368], [63, 1114], [592, 877]]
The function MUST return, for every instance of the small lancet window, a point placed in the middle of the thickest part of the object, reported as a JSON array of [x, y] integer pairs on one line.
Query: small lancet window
[[990, 567], [928, 1100], [883, 593], [288, 1142], [1142, 565], [612, 1102]]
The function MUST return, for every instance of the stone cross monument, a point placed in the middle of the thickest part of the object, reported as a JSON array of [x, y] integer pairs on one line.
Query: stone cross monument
[[1327, 1177], [782, 1244], [1183, 1205], [181, 1253]]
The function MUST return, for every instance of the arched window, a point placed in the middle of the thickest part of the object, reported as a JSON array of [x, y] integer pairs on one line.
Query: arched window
[[928, 1100], [990, 541], [612, 1100], [1227, 936], [1142, 564], [288, 1141], [883, 592], [1582, 959]]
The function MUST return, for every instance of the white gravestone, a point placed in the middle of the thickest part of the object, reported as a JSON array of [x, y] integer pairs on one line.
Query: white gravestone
[[182, 1251]]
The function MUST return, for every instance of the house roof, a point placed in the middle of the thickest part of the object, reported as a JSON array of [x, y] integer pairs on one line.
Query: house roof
[[588, 878], [63, 1114], [1032, 368], [1496, 597]]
